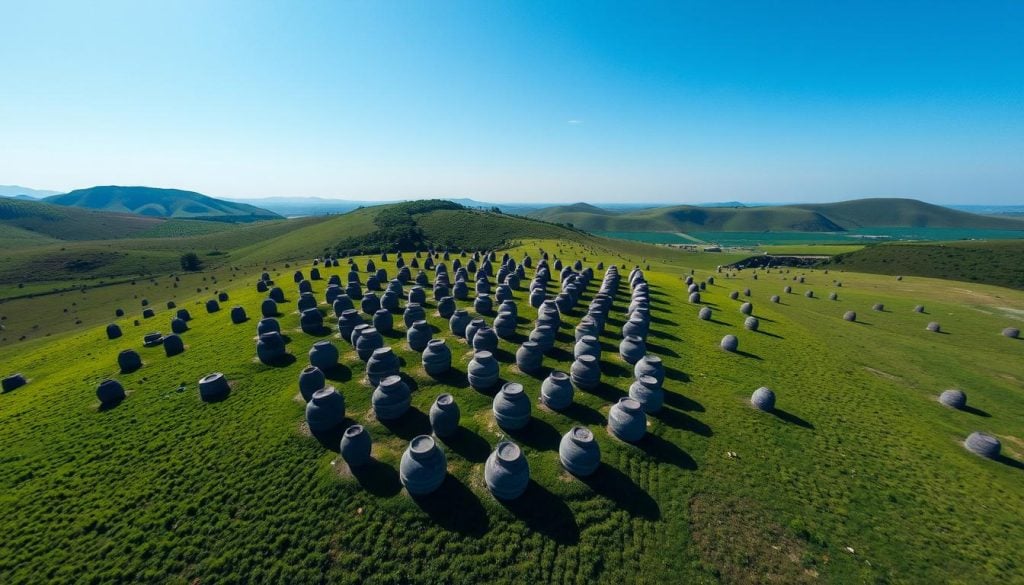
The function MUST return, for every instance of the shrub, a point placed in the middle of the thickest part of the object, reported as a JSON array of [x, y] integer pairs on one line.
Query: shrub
[[190, 262]]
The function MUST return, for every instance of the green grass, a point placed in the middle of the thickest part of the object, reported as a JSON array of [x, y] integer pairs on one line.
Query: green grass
[[810, 250], [996, 262], [651, 237], [165, 488], [67, 223]]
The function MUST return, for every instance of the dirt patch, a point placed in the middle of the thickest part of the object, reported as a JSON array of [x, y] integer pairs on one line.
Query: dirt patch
[[882, 374], [741, 544], [1013, 313], [1013, 446]]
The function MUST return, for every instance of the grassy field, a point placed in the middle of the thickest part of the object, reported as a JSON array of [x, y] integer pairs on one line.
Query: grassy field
[[859, 477], [995, 262], [651, 237], [810, 250]]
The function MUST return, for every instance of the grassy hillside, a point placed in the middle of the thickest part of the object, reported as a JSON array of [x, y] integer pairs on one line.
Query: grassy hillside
[[991, 262], [906, 213], [829, 217], [859, 477], [690, 218], [154, 202], [419, 225], [68, 223], [81, 280]]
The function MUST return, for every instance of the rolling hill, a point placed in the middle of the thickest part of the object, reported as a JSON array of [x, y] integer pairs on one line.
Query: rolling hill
[[69, 223], [828, 217], [417, 225], [153, 202]]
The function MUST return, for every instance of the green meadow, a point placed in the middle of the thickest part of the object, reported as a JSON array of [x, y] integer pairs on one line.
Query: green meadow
[[859, 475]]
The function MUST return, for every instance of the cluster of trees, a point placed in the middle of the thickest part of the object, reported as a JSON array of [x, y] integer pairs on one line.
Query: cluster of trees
[[190, 262], [397, 228]]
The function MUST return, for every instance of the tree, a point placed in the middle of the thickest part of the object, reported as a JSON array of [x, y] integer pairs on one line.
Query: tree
[[190, 261]]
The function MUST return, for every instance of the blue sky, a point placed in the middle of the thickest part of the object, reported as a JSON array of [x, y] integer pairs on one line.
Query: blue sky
[[518, 101]]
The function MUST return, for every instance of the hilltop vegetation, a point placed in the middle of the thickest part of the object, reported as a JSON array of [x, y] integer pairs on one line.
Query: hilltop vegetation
[[155, 202], [419, 225], [830, 217], [991, 262]]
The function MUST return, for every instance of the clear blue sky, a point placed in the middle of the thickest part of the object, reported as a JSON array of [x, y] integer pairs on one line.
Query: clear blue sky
[[518, 101]]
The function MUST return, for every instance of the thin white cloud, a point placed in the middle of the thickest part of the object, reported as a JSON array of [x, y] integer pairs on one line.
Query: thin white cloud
[[575, 122]]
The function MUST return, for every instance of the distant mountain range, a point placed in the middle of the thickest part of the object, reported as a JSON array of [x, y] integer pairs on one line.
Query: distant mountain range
[[732, 216], [168, 203], [19, 192], [827, 217]]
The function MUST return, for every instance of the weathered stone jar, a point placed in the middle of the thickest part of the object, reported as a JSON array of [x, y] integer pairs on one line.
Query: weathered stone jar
[[763, 399], [418, 335], [506, 471], [369, 341], [730, 343], [511, 407], [529, 357], [954, 398], [311, 379], [587, 345], [485, 339], [173, 345], [586, 372], [648, 392], [391, 399], [483, 304], [556, 392], [341, 304], [445, 416], [505, 325], [268, 308], [238, 315], [983, 444], [579, 452], [311, 321], [460, 319], [627, 420], [423, 467], [213, 386], [383, 321], [129, 360], [323, 355], [370, 303], [446, 307], [482, 372], [544, 337], [382, 363], [413, 312], [265, 325], [347, 322], [632, 348], [270, 347], [356, 445], [326, 410], [110, 392], [437, 357]]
